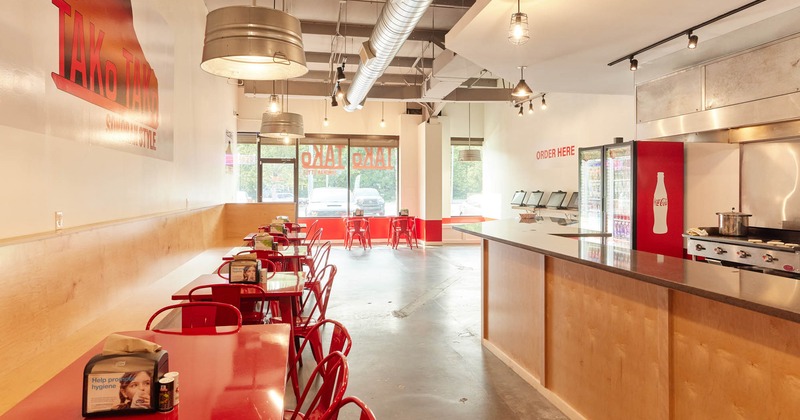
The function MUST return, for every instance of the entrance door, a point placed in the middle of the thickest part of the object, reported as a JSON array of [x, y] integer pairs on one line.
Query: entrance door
[[277, 181]]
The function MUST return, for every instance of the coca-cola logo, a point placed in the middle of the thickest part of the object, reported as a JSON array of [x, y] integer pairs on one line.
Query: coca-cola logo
[[660, 202]]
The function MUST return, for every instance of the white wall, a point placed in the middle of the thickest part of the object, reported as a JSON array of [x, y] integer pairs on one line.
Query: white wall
[[711, 182], [45, 168], [511, 143]]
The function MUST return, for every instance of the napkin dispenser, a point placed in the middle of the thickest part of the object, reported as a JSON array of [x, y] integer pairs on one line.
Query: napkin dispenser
[[124, 383], [262, 241], [244, 270]]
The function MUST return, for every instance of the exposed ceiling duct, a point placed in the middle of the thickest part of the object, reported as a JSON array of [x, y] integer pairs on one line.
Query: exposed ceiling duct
[[398, 18]]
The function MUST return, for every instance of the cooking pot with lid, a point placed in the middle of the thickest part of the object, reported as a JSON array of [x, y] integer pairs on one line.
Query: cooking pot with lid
[[733, 223]]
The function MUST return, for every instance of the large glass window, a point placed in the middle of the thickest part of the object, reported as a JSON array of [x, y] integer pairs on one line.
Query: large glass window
[[373, 176], [323, 178], [466, 180]]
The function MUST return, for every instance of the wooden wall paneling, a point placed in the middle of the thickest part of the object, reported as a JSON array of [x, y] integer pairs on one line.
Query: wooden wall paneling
[[515, 305], [242, 218], [604, 342], [54, 286], [729, 362]]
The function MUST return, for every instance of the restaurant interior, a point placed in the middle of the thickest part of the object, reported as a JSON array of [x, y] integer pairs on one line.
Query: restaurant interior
[[162, 157]]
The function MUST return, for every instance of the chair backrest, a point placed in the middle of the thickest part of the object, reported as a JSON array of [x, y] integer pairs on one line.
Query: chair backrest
[[324, 276], [366, 413], [249, 299], [334, 372], [312, 241], [321, 257], [340, 339], [201, 318], [279, 238], [313, 227], [270, 261], [400, 224]]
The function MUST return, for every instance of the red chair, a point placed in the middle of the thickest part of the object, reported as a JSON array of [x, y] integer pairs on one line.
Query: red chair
[[279, 238], [334, 372], [366, 413], [250, 299], [356, 227], [340, 341], [273, 261], [201, 318], [402, 227], [312, 229], [303, 323], [312, 284]]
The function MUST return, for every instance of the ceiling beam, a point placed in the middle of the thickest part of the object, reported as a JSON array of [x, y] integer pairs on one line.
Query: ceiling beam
[[400, 79], [365, 31], [323, 57]]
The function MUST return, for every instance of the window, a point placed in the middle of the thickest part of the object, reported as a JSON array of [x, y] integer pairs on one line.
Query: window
[[373, 176], [466, 180]]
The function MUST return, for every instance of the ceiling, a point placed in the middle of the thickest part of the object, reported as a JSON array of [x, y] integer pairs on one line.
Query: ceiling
[[572, 41]]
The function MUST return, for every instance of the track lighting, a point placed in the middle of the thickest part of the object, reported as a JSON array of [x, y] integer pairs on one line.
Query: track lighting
[[340, 73], [274, 105], [686, 32], [520, 110], [692, 41], [333, 101], [544, 103], [634, 64], [518, 33], [530, 107], [521, 89]]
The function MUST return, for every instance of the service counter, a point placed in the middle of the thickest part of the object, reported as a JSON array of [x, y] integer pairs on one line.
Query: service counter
[[609, 333]]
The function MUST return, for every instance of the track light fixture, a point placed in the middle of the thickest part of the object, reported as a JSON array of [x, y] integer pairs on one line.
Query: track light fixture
[[530, 107], [520, 110], [692, 41], [692, 38], [544, 103], [333, 101], [518, 33], [634, 64], [521, 89]]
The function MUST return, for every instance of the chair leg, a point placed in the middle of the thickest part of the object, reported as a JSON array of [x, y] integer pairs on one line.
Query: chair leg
[[315, 340]]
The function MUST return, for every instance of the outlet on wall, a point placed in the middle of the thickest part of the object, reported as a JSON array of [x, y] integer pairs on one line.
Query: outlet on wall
[[59, 220]]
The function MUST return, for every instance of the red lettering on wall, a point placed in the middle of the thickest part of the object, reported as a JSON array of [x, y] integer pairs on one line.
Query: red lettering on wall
[[564, 151]]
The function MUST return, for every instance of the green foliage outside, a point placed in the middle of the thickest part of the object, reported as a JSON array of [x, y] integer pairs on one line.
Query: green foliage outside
[[467, 177]]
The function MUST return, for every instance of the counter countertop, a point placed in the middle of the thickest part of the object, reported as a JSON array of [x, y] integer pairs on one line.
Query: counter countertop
[[772, 295]]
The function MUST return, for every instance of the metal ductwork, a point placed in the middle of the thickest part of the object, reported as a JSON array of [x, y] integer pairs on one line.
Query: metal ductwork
[[398, 18]]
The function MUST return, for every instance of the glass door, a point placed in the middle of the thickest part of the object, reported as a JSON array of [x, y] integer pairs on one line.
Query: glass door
[[618, 190], [277, 181]]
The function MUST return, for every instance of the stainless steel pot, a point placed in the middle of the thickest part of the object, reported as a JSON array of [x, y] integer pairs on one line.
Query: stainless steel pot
[[733, 223]]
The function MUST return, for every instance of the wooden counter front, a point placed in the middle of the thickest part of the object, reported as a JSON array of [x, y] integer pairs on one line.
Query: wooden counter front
[[606, 333]]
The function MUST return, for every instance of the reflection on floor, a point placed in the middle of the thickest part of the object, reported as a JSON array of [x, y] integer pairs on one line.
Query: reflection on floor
[[414, 316]]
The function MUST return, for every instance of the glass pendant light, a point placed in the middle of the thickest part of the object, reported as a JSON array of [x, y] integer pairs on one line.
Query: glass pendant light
[[286, 125], [518, 33]]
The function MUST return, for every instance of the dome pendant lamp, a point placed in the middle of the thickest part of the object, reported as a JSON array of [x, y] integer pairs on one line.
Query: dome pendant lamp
[[521, 89], [518, 33], [470, 154], [285, 125], [253, 43]]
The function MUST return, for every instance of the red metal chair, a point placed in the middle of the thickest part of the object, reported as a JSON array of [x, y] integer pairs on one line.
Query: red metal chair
[[356, 227], [312, 229], [402, 227], [292, 227], [201, 318], [250, 299], [312, 284], [366, 413], [340, 341], [334, 372]]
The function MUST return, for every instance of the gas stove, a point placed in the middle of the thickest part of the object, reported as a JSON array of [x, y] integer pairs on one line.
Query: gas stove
[[772, 250]]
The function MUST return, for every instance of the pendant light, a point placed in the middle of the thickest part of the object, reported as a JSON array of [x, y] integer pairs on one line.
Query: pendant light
[[470, 154], [544, 103], [285, 125], [383, 122], [530, 107], [692, 41], [253, 43], [325, 121], [521, 89], [518, 33]]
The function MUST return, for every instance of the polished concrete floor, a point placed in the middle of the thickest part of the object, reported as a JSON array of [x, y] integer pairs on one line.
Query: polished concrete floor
[[414, 316]]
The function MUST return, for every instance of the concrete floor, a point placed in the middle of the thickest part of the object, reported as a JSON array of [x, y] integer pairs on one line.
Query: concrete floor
[[414, 317]]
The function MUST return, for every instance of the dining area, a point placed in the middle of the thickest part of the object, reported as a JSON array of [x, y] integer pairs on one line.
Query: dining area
[[243, 347]]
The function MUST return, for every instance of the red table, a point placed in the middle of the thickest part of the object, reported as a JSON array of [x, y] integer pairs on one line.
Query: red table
[[238, 376], [291, 257], [286, 287]]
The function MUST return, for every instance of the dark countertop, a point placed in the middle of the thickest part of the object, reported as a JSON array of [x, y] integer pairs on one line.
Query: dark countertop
[[772, 295]]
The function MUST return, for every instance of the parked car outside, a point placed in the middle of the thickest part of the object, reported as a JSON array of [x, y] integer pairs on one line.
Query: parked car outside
[[369, 200], [329, 202]]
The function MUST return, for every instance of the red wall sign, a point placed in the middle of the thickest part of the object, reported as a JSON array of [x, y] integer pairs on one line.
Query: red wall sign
[[101, 61], [555, 152]]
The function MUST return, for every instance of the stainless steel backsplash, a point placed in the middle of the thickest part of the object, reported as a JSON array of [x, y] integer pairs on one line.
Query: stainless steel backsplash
[[770, 183]]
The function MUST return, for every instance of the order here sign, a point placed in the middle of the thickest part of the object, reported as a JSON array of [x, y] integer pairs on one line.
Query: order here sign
[[555, 152]]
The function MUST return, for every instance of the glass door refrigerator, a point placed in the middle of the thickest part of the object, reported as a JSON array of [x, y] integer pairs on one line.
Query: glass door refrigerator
[[590, 201], [642, 196]]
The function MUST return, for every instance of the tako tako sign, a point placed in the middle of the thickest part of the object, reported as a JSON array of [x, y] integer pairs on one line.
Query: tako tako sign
[[329, 158]]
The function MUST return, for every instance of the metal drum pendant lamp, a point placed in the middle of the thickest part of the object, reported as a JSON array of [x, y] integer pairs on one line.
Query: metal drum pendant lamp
[[253, 43], [469, 154], [282, 125]]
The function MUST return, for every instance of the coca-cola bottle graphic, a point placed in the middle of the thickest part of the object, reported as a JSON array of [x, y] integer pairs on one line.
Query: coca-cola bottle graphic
[[660, 205]]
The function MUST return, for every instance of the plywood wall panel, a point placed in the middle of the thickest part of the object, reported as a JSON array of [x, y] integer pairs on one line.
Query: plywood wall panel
[[514, 299], [731, 363], [244, 218], [606, 343]]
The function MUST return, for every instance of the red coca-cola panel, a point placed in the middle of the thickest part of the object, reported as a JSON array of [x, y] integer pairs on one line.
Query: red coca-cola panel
[[659, 205]]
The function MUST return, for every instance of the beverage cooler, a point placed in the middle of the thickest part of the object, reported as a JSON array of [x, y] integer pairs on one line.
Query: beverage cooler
[[634, 191]]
